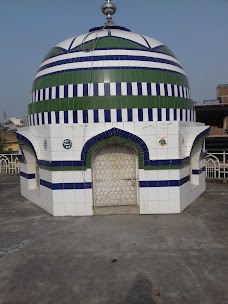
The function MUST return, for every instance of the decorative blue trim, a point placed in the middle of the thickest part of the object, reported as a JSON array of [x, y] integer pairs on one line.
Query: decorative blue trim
[[109, 57], [111, 68], [57, 117], [88, 185], [150, 114], [146, 42], [107, 89], [95, 116], [65, 116], [27, 176], [60, 163], [115, 132], [49, 118], [113, 115], [140, 114], [66, 186], [202, 134], [167, 115], [181, 114], [198, 172], [159, 115], [129, 115], [81, 163], [164, 183], [107, 115], [111, 49], [26, 141], [175, 115], [72, 43], [85, 116], [112, 27], [119, 115]]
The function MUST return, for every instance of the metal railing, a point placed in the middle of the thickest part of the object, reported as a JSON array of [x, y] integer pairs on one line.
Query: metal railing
[[9, 164], [217, 165]]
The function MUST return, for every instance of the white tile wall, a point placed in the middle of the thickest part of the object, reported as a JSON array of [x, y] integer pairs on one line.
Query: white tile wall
[[58, 209], [163, 194], [70, 209], [163, 207]]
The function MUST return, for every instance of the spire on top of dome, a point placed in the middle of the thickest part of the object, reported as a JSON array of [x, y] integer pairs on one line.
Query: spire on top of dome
[[109, 9]]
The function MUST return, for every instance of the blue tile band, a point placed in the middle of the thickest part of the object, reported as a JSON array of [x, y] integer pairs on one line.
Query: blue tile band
[[88, 185], [198, 172], [117, 58], [65, 186], [28, 176], [163, 183], [113, 115]]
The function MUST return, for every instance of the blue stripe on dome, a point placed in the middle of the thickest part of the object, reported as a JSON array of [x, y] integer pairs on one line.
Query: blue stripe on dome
[[111, 27], [110, 68], [146, 41], [109, 57], [72, 43]]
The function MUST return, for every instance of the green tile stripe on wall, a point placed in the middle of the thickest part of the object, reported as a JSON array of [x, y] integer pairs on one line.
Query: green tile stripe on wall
[[165, 167], [140, 166], [62, 168], [101, 76], [110, 102]]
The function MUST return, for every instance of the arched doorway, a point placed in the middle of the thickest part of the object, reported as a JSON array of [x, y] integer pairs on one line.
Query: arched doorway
[[32, 166], [114, 176]]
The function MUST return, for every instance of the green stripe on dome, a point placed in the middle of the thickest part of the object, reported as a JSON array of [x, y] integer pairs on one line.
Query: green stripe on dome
[[110, 102], [54, 52], [110, 43], [163, 49], [115, 75]]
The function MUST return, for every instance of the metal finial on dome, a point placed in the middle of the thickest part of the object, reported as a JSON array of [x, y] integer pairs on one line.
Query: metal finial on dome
[[108, 9]]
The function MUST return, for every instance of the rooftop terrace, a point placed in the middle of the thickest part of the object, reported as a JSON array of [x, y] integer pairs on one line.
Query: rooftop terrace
[[173, 259]]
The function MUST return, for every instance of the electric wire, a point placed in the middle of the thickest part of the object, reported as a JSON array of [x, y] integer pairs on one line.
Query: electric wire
[[83, 48]]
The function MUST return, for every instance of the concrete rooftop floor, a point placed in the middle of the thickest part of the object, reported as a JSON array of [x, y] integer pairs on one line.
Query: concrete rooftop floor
[[135, 259]]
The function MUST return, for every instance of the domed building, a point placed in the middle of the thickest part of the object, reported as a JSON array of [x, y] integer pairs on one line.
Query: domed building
[[111, 128]]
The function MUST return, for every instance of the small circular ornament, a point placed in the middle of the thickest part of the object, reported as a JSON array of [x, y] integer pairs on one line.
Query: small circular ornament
[[162, 142], [67, 144]]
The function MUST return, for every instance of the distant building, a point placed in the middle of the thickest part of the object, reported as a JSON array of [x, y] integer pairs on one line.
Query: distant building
[[215, 113], [222, 93], [8, 142], [16, 121]]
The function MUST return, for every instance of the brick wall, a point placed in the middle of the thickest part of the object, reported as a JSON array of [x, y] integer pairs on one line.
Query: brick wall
[[222, 93]]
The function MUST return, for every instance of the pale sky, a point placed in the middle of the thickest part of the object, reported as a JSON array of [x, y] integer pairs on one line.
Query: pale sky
[[195, 30]]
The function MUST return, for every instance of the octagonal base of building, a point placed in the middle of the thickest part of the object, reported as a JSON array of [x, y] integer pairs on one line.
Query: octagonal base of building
[[121, 168]]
